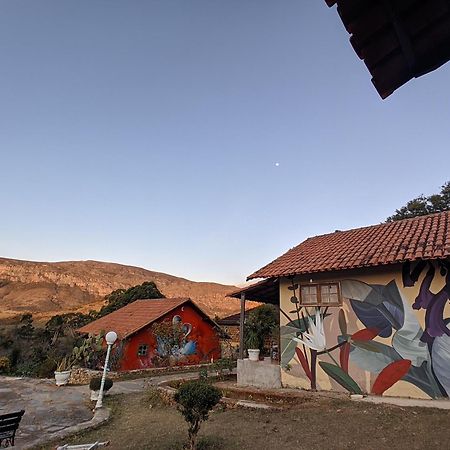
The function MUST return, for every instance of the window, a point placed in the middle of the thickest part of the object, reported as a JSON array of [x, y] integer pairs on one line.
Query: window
[[327, 294], [142, 350]]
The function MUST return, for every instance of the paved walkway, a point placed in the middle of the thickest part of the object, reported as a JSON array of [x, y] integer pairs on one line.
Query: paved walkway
[[50, 409], [408, 402]]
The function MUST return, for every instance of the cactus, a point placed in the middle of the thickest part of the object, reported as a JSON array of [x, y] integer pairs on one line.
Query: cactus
[[88, 350]]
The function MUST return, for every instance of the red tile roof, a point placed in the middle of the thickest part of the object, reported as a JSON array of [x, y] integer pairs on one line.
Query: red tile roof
[[133, 317], [398, 40], [425, 237]]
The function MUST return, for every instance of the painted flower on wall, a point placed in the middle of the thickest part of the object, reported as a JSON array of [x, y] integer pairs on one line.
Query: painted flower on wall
[[315, 338]]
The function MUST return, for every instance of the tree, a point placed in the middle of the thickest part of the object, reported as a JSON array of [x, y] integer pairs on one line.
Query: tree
[[122, 297], [420, 206], [196, 399]]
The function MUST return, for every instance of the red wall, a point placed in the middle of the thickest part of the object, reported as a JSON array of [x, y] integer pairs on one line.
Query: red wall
[[206, 337]]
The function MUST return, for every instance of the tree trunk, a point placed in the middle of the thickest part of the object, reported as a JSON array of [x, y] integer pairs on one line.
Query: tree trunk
[[193, 431], [192, 441]]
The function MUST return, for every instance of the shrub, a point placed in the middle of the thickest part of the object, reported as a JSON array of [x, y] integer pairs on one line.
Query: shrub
[[95, 383], [5, 364], [47, 368], [195, 400], [222, 365], [203, 374]]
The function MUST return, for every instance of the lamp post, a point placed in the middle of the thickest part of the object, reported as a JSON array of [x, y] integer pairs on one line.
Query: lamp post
[[110, 337]]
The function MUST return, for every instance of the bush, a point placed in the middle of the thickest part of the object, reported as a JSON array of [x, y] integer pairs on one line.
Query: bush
[[5, 364], [47, 368], [95, 383], [195, 400], [203, 374], [222, 365]]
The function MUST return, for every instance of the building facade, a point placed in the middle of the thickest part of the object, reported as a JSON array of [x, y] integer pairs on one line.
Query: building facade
[[158, 333], [367, 310]]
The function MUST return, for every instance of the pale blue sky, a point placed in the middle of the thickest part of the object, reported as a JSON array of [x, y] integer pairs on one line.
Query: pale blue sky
[[147, 132]]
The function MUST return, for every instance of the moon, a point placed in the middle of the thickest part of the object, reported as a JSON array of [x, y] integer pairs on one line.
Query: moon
[[277, 164]]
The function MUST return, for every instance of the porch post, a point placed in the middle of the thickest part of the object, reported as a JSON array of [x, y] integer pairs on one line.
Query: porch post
[[241, 327]]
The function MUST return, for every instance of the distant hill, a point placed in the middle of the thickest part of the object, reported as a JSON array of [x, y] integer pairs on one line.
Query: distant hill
[[46, 289]]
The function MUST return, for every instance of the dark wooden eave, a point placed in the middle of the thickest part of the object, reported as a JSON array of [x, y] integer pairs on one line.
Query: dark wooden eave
[[397, 39], [266, 291]]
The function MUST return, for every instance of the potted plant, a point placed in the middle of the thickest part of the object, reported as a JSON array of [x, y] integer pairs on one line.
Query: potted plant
[[261, 323], [63, 369], [94, 386], [253, 343]]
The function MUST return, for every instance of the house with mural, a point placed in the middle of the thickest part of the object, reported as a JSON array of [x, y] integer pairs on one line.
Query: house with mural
[[159, 332], [365, 310]]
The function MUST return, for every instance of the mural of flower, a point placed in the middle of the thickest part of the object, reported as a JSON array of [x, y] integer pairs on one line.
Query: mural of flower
[[315, 337]]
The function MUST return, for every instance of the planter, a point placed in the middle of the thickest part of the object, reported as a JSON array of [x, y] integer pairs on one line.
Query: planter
[[253, 354], [62, 378]]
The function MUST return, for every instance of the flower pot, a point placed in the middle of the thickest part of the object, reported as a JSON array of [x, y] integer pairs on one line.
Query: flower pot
[[253, 354], [62, 378], [94, 395]]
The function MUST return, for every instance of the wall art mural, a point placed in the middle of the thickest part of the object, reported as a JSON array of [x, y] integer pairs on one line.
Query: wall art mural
[[173, 339], [392, 345]]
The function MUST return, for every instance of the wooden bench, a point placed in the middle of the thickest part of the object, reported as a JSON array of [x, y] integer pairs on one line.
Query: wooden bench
[[9, 423]]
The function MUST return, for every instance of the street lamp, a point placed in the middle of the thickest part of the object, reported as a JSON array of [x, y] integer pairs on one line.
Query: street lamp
[[110, 337]]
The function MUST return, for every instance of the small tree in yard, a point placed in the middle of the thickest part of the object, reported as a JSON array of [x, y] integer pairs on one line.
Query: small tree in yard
[[195, 400]]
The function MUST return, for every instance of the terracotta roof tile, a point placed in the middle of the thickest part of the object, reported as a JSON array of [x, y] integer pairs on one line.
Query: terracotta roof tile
[[133, 317], [425, 237]]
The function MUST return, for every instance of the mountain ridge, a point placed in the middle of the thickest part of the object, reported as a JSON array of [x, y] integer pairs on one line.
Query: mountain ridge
[[48, 288]]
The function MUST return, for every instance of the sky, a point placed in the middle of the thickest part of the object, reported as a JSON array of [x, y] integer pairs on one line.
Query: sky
[[201, 138]]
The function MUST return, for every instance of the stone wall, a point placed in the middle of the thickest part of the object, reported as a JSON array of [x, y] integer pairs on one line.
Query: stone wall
[[81, 375], [263, 374]]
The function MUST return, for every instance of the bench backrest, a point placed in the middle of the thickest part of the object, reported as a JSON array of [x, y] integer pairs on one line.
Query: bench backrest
[[10, 422]]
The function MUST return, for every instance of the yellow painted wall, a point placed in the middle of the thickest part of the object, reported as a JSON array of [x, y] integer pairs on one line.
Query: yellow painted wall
[[295, 376]]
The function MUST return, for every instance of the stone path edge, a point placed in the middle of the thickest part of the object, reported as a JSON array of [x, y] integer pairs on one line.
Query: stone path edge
[[101, 416]]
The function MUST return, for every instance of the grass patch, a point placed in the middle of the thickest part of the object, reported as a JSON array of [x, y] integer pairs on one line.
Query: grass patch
[[144, 421]]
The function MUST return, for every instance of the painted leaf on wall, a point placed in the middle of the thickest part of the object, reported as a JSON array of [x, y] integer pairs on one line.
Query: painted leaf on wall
[[441, 361], [375, 305], [338, 375], [301, 357], [344, 355], [342, 322], [373, 361], [423, 378], [365, 334], [371, 317], [390, 375], [287, 344], [370, 346]]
